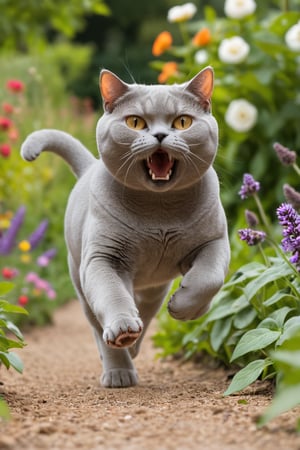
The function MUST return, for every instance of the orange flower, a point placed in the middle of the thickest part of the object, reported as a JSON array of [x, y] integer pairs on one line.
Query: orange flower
[[169, 69], [162, 42], [203, 37]]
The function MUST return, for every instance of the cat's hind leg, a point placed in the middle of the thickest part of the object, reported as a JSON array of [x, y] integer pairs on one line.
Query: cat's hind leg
[[148, 302]]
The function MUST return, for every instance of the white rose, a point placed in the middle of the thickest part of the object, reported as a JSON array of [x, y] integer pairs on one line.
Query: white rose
[[201, 56], [237, 9], [241, 115], [233, 50], [182, 13], [292, 37]]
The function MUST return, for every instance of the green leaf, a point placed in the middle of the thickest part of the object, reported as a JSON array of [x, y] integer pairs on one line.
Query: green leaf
[[247, 375], [4, 410], [254, 340], [9, 308], [5, 287], [287, 398], [291, 327], [15, 361], [14, 329], [277, 297], [244, 318], [219, 332], [270, 275]]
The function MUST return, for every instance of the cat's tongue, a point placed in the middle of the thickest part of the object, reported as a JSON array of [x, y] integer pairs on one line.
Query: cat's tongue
[[160, 165]]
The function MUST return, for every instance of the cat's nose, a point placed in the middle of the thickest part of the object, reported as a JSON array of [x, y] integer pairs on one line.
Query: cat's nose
[[160, 136]]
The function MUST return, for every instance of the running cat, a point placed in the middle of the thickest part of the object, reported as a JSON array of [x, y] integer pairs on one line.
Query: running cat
[[144, 213]]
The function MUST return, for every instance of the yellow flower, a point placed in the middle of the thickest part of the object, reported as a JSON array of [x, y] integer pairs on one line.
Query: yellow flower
[[26, 258], [24, 246]]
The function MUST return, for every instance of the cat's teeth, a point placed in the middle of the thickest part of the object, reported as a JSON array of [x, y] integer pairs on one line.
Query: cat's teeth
[[155, 178]]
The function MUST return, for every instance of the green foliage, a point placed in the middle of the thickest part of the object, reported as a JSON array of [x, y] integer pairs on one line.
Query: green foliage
[[7, 357], [26, 24]]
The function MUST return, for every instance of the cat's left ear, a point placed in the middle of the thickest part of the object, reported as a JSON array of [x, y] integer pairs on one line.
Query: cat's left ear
[[111, 88], [202, 87]]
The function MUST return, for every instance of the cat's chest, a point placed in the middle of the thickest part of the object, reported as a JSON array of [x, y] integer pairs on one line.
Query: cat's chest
[[158, 255]]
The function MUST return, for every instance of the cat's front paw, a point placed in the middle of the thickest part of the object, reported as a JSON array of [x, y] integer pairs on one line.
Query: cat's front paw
[[182, 307], [118, 378], [123, 332]]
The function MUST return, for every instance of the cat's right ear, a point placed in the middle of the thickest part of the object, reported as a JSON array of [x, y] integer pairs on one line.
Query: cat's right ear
[[111, 88]]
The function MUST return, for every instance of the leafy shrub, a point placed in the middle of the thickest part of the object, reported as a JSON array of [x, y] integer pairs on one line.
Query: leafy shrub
[[7, 357], [254, 321]]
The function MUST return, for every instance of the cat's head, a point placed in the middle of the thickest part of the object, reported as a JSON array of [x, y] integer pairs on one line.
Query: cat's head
[[157, 137]]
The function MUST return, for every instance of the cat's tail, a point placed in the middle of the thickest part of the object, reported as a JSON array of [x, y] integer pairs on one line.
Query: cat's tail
[[61, 143]]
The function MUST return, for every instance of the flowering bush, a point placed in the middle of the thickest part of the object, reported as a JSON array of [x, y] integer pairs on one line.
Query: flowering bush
[[255, 56], [21, 262], [254, 322]]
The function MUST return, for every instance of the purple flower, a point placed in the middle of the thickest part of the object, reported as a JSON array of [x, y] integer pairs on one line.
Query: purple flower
[[289, 219], [252, 237], [292, 196], [46, 257], [251, 218], [38, 234], [8, 240], [286, 156], [249, 186]]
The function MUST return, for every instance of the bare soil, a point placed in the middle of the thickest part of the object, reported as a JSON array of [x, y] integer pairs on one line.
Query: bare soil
[[58, 403]]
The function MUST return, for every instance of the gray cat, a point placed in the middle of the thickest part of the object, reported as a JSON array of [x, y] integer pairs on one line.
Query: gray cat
[[144, 213]]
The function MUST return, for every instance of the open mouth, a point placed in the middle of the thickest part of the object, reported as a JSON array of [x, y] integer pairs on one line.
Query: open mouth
[[160, 165]]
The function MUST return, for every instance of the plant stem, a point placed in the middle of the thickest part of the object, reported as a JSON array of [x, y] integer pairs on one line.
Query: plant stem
[[296, 168], [285, 5]]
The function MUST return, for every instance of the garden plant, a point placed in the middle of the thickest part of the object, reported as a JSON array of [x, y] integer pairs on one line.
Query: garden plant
[[254, 322]]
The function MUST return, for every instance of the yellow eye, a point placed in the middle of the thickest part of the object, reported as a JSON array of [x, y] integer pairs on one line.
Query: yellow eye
[[182, 122], [135, 122]]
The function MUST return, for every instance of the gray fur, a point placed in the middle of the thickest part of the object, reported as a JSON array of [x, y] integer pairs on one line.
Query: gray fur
[[129, 236]]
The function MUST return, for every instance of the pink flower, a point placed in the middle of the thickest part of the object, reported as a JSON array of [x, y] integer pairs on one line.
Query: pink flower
[[15, 86], [32, 277], [7, 108]]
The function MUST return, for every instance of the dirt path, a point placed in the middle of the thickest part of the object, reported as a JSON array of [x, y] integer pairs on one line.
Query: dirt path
[[58, 403]]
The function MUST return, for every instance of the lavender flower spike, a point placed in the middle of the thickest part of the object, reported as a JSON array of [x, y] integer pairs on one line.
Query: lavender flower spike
[[286, 156], [290, 221], [292, 196], [38, 234], [252, 237], [249, 186], [8, 240]]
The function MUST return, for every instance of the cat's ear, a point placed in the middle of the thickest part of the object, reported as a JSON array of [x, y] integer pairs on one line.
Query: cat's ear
[[111, 88], [202, 87]]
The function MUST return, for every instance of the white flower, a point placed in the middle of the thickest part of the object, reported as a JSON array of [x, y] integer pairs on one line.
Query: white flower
[[182, 13], [241, 115], [292, 37], [237, 9], [233, 50], [201, 56]]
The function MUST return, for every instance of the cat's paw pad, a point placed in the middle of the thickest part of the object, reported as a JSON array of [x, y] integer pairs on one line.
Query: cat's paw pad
[[119, 378], [123, 332]]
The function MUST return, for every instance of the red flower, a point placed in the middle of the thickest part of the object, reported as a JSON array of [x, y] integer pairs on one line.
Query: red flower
[[5, 150], [23, 300], [5, 123], [15, 86], [8, 273], [7, 108]]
